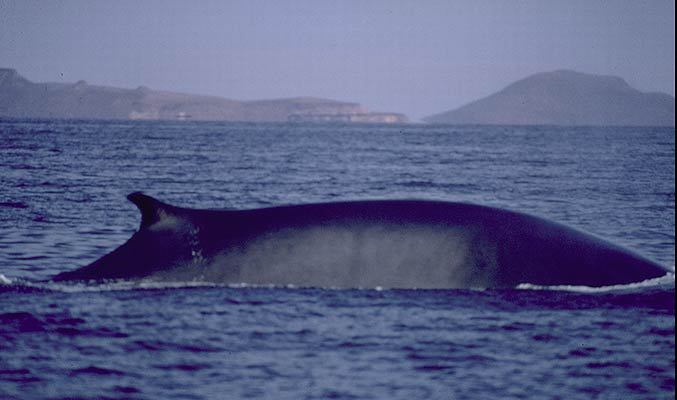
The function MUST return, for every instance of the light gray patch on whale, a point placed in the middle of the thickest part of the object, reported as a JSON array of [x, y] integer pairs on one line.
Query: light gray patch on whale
[[367, 256]]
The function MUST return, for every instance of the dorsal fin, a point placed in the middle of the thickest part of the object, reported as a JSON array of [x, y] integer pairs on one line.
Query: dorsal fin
[[152, 210]]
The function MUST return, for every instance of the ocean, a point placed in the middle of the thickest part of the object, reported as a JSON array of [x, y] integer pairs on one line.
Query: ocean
[[62, 205]]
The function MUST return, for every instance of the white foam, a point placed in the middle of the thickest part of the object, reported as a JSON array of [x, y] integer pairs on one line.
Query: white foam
[[4, 280], [665, 280], [126, 285], [122, 285], [147, 284]]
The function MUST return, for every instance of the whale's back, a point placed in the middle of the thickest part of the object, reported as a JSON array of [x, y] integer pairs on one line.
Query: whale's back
[[401, 244]]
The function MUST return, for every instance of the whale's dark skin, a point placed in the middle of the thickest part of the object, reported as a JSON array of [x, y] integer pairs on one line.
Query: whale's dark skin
[[392, 243]]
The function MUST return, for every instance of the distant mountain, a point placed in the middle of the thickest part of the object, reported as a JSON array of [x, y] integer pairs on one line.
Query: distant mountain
[[566, 98], [21, 98]]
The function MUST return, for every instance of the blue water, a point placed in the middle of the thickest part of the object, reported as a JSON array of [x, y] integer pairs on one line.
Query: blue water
[[62, 205]]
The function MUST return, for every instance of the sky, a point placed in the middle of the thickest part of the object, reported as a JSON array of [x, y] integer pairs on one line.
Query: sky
[[417, 57]]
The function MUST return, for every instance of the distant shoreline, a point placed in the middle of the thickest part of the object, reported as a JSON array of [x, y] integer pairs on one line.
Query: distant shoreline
[[21, 98], [557, 98], [566, 98]]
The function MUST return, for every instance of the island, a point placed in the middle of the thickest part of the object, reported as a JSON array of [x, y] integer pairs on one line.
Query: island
[[566, 97], [21, 98]]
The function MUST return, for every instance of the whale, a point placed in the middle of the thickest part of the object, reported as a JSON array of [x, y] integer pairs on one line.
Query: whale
[[418, 244]]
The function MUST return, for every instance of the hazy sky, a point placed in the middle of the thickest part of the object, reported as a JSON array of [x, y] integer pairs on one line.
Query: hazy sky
[[418, 57]]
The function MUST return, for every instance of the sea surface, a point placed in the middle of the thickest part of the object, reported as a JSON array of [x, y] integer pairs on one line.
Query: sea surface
[[62, 205]]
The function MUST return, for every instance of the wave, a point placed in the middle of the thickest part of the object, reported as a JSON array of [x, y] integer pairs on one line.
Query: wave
[[665, 282]]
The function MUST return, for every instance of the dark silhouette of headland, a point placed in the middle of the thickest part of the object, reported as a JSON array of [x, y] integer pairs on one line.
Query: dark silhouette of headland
[[21, 98], [566, 98]]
